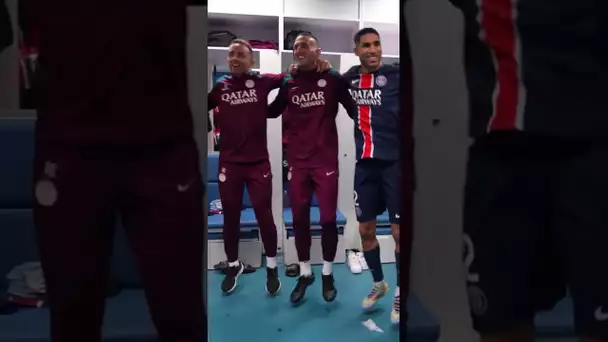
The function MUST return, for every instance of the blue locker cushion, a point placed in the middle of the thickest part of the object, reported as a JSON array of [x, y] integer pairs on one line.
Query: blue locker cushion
[[17, 240], [383, 230], [383, 219], [213, 160], [16, 157], [557, 323], [248, 220], [213, 193]]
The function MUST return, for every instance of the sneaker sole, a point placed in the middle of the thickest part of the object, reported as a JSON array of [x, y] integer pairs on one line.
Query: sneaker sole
[[354, 271], [330, 299], [278, 290], [236, 278], [370, 307], [375, 302], [303, 292]]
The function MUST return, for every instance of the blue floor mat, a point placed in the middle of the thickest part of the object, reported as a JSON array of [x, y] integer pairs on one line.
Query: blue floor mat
[[250, 314], [126, 320]]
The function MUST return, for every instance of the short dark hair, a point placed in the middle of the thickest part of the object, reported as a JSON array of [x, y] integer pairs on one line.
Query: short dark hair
[[242, 42], [362, 32], [309, 35]]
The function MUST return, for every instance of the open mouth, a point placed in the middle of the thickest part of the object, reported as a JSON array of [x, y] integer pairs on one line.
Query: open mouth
[[372, 59], [235, 65]]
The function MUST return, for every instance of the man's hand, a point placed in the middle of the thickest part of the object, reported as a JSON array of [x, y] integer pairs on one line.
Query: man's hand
[[322, 66]]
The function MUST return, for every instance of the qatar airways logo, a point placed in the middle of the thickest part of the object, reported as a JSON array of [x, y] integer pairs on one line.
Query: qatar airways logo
[[240, 97], [367, 97], [307, 100]]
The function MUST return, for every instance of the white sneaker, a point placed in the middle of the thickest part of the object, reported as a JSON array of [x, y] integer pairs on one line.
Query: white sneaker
[[352, 261], [395, 310], [362, 261]]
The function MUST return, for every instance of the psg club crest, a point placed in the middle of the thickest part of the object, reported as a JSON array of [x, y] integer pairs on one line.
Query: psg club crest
[[477, 301], [322, 83], [249, 84], [222, 176], [46, 193], [381, 81]]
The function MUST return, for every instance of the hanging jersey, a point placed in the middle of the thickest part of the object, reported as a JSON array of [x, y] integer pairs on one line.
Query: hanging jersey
[[378, 121], [537, 66]]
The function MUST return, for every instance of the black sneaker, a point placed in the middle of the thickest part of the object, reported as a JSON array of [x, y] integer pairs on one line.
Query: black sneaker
[[329, 290], [273, 283], [232, 274], [300, 290]]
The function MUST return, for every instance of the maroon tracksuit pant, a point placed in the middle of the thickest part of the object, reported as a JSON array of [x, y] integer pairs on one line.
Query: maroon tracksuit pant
[[157, 193]]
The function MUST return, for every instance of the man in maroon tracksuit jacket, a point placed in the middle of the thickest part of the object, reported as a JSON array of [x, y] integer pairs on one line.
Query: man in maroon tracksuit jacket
[[114, 137], [312, 100]]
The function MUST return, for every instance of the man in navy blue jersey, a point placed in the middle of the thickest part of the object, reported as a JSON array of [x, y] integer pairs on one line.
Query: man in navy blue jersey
[[312, 100], [375, 88], [114, 139], [535, 214]]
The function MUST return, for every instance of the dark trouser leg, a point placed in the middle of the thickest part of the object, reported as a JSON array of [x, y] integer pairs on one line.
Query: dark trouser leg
[[259, 187], [300, 196], [74, 213], [164, 220], [326, 190], [232, 184]]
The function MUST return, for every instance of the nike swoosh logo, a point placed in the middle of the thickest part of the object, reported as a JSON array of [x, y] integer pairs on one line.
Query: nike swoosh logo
[[330, 173], [600, 315], [266, 175], [185, 187], [355, 81]]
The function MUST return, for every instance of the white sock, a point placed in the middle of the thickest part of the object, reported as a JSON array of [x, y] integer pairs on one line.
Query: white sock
[[271, 262], [327, 267], [397, 291], [305, 269], [234, 263]]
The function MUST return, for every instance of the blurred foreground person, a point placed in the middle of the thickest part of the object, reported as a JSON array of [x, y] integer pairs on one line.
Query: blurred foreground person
[[114, 139], [535, 214]]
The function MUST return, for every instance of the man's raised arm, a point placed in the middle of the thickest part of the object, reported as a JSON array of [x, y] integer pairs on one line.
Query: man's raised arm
[[279, 104], [343, 95]]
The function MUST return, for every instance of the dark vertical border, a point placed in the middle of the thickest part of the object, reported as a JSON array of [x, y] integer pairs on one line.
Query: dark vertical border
[[407, 158], [203, 4], [6, 27], [197, 83]]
